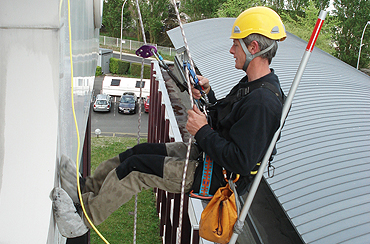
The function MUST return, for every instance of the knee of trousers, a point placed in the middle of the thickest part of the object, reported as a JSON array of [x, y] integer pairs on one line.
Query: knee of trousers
[[94, 182], [114, 193], [173, 170], [179, 149]]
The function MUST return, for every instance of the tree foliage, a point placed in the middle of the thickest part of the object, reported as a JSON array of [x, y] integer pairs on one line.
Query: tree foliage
[[352, 16], [303, 26], [202, 9], [158, 16], [232, 8], [297, 5], [343, 30], [112, 10], [153, 12], [322, 4]]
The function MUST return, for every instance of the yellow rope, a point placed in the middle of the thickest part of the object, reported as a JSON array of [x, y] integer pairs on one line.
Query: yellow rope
[[77, 131]]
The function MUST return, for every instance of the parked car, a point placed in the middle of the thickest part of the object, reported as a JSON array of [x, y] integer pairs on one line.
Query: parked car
[[146, 104], [103, 103], [131, 94], [127, 104]]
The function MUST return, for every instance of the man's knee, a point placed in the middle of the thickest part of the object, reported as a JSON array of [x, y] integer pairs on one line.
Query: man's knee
[[179, 150], [144, 149], [126, 167]]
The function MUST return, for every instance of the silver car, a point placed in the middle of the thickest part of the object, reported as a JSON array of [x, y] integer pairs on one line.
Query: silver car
[[103, 103]]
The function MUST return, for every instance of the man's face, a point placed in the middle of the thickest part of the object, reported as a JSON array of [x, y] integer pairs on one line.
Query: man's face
[[238, 53]]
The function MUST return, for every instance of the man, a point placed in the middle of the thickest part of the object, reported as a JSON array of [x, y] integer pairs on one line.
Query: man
[[235, 136]]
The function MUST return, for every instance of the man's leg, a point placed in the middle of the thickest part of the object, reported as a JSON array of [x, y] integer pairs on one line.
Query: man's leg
[[132, 176], [176, 149], [179, 150], [93, 183], [129, 178]]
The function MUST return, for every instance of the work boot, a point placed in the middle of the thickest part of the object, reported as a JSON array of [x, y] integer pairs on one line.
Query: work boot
[[68, 179], [69, 222]]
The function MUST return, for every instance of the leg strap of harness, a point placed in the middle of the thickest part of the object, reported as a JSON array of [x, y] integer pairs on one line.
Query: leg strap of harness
[[206, 179]]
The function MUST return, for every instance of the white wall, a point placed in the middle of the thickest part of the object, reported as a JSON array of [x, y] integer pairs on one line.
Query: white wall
[[36, 119]]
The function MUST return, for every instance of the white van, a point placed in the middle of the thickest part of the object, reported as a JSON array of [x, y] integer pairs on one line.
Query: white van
[[116, 86]]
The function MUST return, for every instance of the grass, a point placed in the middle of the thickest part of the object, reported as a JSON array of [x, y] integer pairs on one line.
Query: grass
[[118, 228]]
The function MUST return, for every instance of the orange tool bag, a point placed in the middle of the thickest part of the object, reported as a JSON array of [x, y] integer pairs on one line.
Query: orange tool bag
[[220, 215]]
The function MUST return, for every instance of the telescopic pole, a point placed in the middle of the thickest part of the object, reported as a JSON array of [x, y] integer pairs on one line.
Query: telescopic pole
[[285, 111]]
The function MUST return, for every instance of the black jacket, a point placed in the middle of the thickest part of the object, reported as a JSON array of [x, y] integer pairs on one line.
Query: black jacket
[[240, 139]]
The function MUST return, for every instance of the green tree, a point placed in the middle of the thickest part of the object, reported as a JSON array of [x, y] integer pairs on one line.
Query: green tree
[[277, 5], [303, 26], [169, 23], [202, 9], [112, 10], [296, 5], [352, 16], [153, 12], [232, 8], [322, 4]]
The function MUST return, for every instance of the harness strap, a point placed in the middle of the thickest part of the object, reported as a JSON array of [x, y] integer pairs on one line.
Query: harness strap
[[245, 91], [206, 179]]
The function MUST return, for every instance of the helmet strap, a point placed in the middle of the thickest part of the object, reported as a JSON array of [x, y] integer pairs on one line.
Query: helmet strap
[[249, 57]]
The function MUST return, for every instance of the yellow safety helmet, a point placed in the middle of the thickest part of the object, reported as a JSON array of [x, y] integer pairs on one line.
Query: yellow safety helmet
[[259, 20]]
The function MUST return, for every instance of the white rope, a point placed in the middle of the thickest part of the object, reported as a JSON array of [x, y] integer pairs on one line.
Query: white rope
[[139, 120], [190, 139]]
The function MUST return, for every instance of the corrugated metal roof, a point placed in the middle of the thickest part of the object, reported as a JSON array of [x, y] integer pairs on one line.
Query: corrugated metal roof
[[322, 177]]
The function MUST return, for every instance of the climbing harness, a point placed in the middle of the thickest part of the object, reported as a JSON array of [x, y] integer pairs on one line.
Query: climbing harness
[[206, 179], [205, 184]]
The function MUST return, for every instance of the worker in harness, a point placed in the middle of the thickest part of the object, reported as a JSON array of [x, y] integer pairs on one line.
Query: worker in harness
[[235, 137]]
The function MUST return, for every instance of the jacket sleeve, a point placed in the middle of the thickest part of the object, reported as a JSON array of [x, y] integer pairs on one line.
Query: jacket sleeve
[[211, 96], [253, 125]]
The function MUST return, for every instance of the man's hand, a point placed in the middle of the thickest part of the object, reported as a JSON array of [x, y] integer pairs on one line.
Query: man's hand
[[196, 120], [204, 82]]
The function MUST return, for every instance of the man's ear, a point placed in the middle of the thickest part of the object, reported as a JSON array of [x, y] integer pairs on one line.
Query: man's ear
[[254, 47]]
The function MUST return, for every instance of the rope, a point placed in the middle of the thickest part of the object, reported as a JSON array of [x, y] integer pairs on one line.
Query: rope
[[76, 127], [190, 139], [139, 120], [76, 124]]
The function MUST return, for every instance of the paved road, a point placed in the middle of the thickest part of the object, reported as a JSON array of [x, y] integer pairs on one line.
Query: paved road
[[114, 122]]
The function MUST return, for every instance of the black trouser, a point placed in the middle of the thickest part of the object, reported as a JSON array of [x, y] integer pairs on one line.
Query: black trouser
[[146, 158]]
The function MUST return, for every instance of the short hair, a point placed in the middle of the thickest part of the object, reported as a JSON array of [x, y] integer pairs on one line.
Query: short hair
[[263, 42]]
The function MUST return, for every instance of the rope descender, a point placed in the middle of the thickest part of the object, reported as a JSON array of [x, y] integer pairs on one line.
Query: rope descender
[[147, 51]]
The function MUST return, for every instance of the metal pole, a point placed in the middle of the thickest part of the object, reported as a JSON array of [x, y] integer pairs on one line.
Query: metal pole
[[362, 37], [285, 111], [120, 50]]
